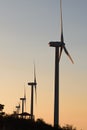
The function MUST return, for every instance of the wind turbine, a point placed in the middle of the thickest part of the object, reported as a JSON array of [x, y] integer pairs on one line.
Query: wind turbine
[[33, 84], [23, 101], [59, 47], [18, 108]]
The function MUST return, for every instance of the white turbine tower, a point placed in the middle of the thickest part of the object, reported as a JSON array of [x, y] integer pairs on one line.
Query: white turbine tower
[[33, 84], [59, 47]]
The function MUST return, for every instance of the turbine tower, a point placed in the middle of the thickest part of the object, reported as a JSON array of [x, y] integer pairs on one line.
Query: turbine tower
[[33, 84], [59, 47]]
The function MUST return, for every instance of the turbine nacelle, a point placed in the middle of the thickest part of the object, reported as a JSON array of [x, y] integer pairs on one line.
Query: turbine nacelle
[[32, 83], [22, 98], [56, 44], [18, 106]]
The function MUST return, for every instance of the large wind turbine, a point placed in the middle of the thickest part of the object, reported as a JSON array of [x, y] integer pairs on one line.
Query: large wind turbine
[[33, 84], [59, 47]]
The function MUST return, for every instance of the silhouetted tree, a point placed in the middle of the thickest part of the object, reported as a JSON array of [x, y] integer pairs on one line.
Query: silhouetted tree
[[68, 127], [1, 110]]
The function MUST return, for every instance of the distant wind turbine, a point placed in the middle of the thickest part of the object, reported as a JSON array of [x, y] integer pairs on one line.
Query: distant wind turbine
[[33, 84], [18, 108], [23, 101], [59, 47]]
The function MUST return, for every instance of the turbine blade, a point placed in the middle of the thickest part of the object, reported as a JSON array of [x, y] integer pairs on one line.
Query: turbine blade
[[19, 107], [61, 22], [36, 94], [68, 54], [25, 97], [34, 74], [60, 53], [35, 84]]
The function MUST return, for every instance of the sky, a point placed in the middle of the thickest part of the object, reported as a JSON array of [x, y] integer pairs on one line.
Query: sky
[[26, 28]]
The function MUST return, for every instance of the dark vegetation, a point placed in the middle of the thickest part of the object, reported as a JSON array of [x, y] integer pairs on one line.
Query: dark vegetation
[[16, 122]]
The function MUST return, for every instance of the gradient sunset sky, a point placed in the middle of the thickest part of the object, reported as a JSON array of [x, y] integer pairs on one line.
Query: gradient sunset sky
[[26, 27]]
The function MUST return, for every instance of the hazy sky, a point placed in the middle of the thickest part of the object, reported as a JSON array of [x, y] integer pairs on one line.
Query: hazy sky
[[26, 27]]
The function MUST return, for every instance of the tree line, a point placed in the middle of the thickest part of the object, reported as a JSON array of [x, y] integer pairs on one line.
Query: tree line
[[16, 122]]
